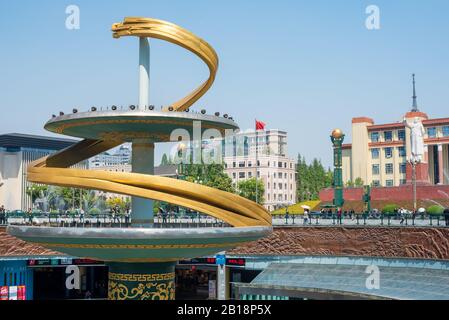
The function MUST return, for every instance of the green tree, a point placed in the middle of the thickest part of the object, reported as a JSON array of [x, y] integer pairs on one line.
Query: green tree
[[311, 179], [359, 182], [36, 191], [247, 189], [211, 175], [349, 184]]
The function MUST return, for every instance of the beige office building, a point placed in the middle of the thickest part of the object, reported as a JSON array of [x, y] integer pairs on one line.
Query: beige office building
[[379, 153], [272, 165]]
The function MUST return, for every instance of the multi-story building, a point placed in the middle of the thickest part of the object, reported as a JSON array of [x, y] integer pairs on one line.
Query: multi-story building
[[16, 152], [121, 156], [379, 153], [269, 162]]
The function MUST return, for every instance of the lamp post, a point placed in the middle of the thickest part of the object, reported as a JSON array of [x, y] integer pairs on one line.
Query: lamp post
[[414, 161], [337, 138]]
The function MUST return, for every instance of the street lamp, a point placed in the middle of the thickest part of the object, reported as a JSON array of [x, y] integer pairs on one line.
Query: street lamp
[[414, 161]]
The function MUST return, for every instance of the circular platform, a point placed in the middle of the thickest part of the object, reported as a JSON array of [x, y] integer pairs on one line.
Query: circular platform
[[129, 125], [138, 244]]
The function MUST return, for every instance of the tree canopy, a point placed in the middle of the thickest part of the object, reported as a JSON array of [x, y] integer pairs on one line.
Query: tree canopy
[[311, 179]]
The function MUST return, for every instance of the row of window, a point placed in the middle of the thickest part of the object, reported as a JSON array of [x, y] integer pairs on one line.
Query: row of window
[[279, 164], [389, 168], [279, 197], [387, 136], [388, 183], [279, 186], [249, 174], [388, 151], [432, 132]]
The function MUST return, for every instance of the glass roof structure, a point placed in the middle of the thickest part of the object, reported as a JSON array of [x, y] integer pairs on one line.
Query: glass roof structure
[[395, 281]]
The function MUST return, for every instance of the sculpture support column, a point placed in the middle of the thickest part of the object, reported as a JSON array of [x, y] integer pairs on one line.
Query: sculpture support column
[[142, 162], [144, 73]]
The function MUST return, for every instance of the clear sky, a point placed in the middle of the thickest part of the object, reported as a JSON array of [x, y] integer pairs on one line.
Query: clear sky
[[300, 66]]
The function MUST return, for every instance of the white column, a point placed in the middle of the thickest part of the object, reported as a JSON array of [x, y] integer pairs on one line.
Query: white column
[[142, 162], [144, 73]]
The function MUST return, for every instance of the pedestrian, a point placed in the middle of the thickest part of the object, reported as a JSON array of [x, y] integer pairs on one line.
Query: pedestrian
[[127, 216], [339, 215], [402, 215], [2, 215], [306, 215], [30, 216], [446, 216], [81, 216]]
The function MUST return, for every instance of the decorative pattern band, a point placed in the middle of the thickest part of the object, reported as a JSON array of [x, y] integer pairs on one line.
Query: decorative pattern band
[[140, 246], [142, 277]]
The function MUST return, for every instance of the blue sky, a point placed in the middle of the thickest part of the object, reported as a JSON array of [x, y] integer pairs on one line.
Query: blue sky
[[301, 66]]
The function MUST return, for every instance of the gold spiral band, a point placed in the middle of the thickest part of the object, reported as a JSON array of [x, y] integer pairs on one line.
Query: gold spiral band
[[163, 30]]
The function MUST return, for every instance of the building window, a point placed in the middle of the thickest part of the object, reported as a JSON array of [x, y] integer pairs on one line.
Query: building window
[[388, 152], [241, 164], [250, 164], [280, 186], [389, 183], [403, 181], [401, 135], [274, 175], [376, 183], [233, 165], [389, 168], [268, 185], [250, 174], [241, 175], [374, 136], [376, 170], [375, 153], [388, 136], [432, 132], [402, 168], [446, 131], [401, 151]]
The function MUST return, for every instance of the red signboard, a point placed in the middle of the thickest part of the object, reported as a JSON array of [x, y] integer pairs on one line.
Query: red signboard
[[21, 294], [3, 293]]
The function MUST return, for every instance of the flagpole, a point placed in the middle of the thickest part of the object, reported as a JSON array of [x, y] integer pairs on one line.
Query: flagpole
[[257, 163]]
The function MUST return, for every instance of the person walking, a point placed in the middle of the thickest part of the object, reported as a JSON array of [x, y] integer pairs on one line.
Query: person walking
[[2, 215], [30, 216], [127, 217], [402, 215], [82, 215], [446, 216], [306, 216], [339, 215]]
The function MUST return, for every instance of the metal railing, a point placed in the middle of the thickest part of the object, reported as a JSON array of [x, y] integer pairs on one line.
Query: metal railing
[[362, 220]]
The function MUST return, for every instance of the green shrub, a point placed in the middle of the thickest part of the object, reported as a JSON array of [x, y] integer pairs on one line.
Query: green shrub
[[389, 209], [435, 210], [94, 211]]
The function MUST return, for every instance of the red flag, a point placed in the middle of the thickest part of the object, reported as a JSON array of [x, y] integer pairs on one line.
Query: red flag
[[260, 125]]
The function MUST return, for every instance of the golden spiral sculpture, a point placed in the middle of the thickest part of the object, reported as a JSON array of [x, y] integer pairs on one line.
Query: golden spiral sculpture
[[231, 208]]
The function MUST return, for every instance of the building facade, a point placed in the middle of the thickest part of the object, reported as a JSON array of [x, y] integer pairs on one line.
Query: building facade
[[16, 152], [121, 157], [264, 154], [379, 153]]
